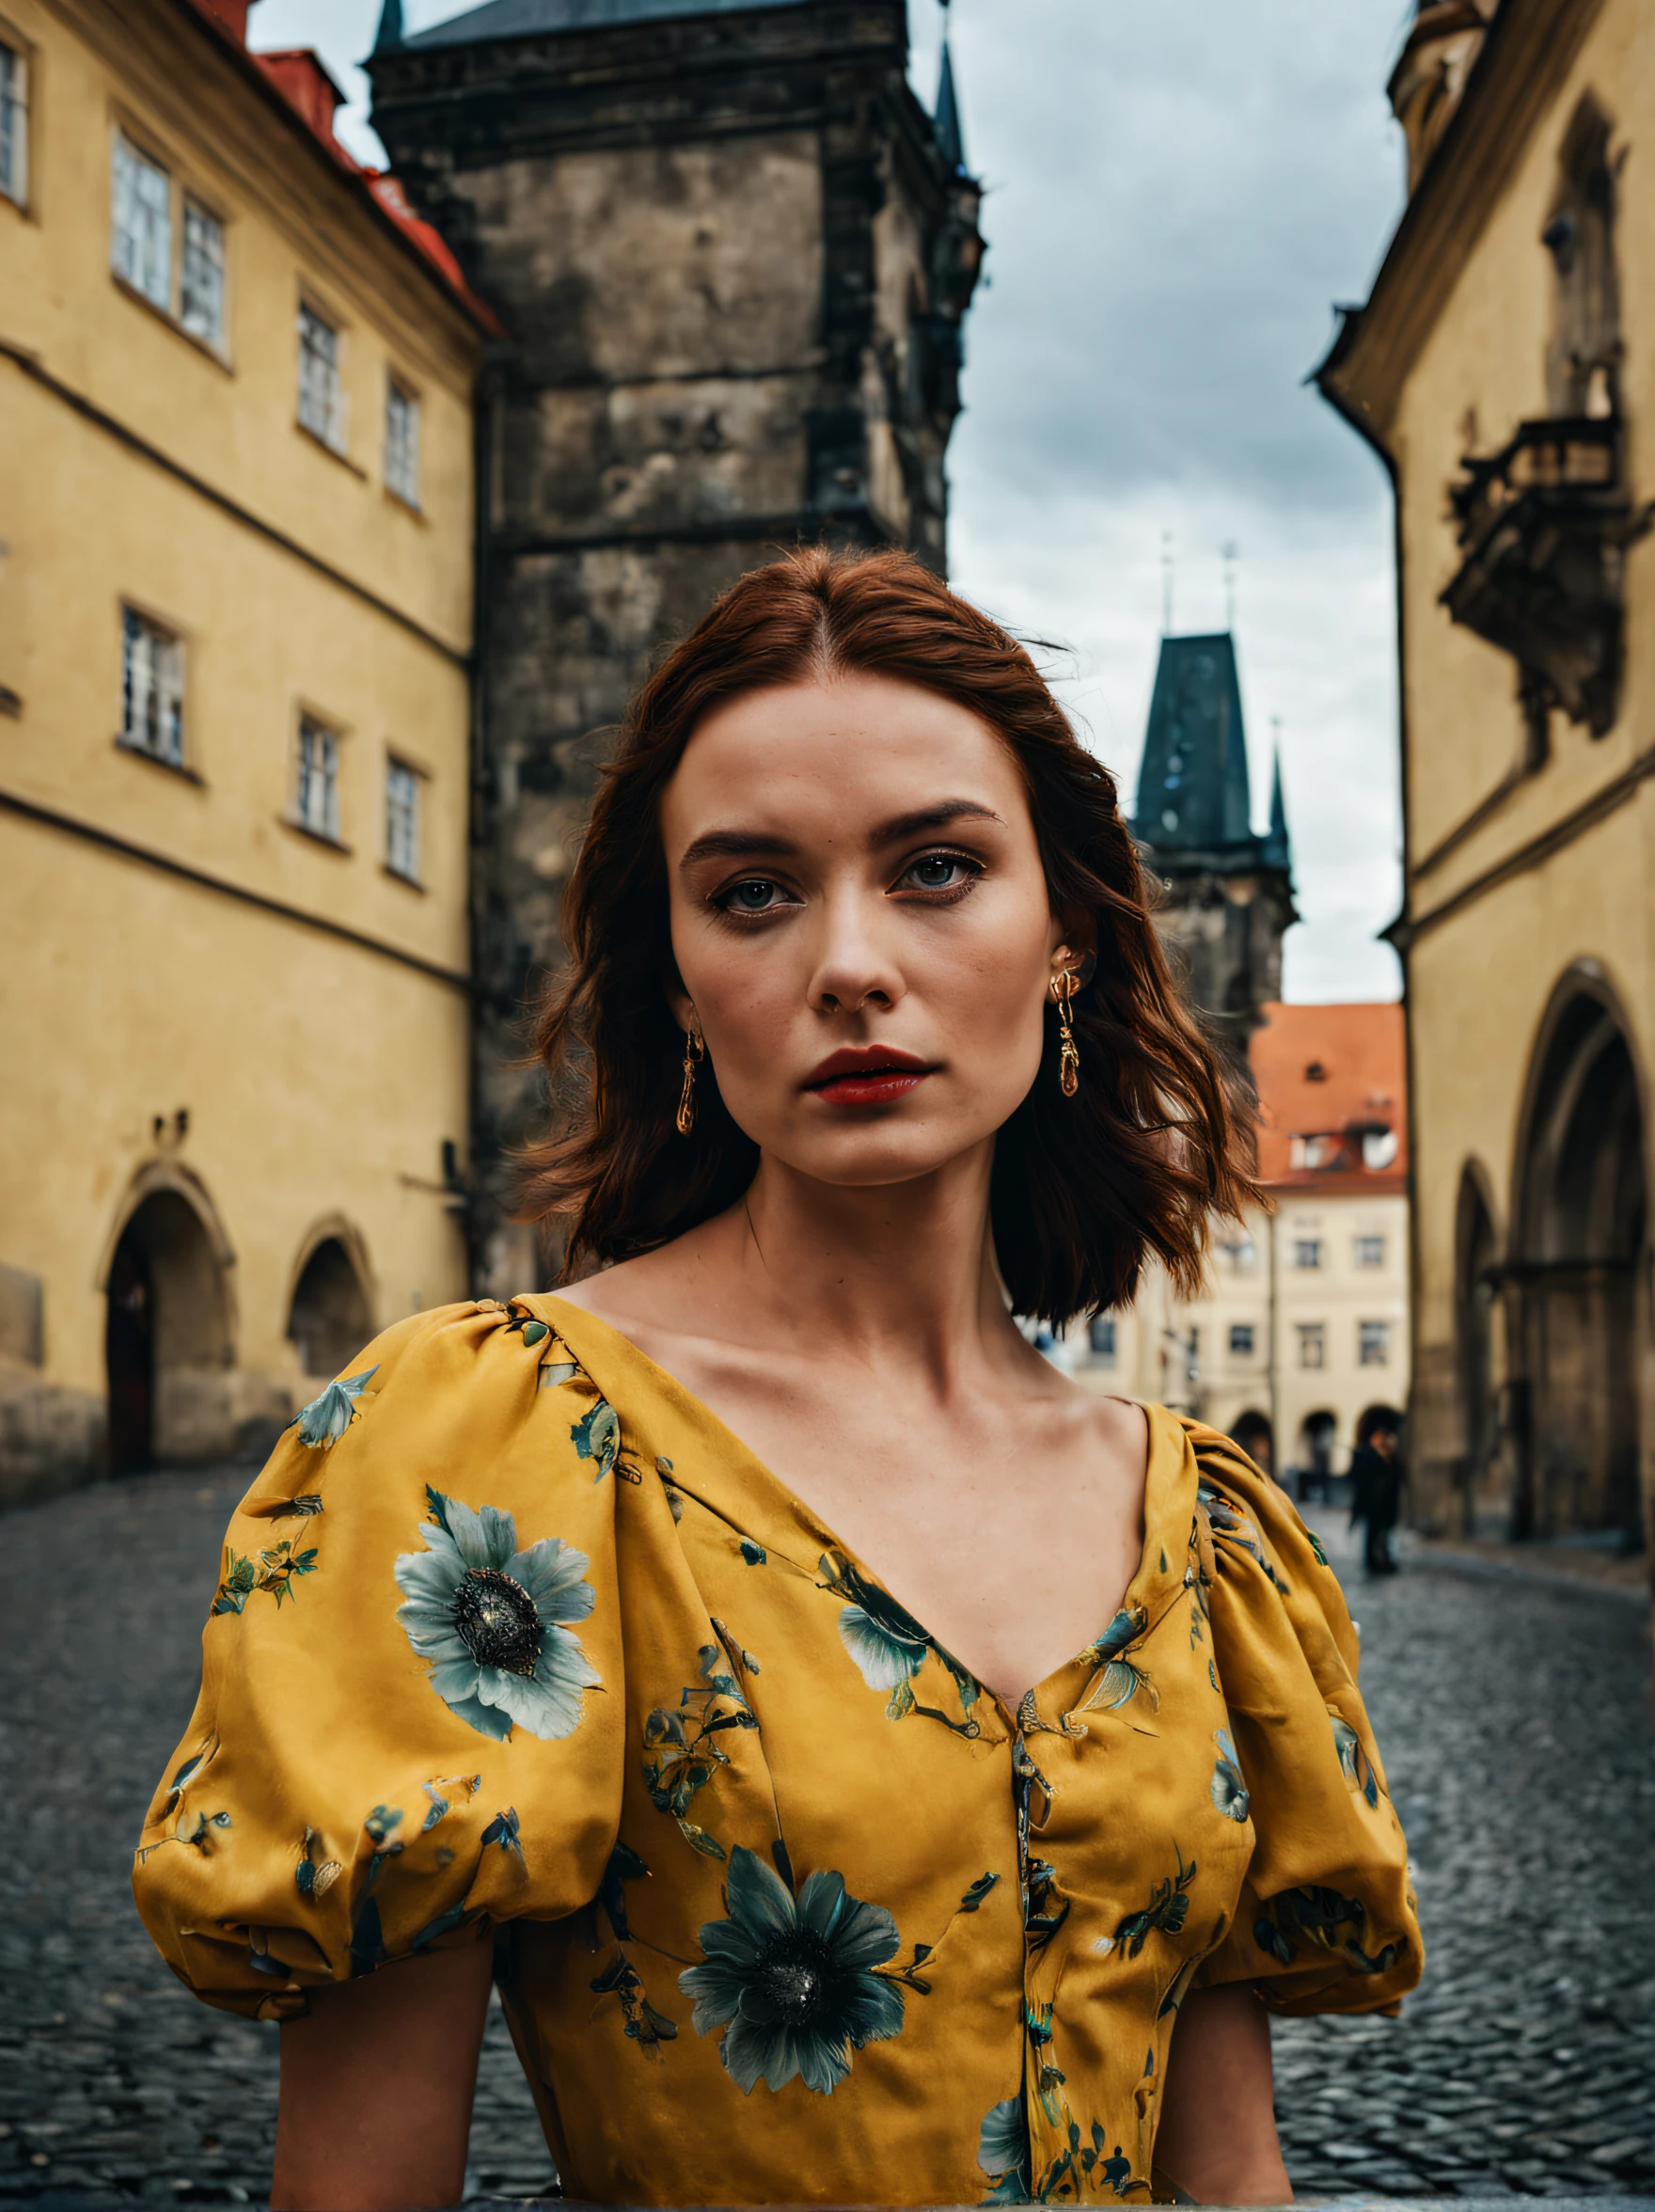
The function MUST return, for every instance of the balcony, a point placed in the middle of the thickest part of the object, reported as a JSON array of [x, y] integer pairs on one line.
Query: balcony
[[1543, 528]]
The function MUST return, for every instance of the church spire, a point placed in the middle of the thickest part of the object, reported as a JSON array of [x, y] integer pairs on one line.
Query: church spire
[[1277, 852], [390, 27], [1192, 781], [950, 136]]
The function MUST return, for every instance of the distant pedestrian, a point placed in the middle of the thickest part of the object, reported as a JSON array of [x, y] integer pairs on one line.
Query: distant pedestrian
[[1377, 1478]]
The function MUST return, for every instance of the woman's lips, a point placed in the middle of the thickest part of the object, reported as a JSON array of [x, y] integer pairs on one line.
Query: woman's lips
[[867, 1076], [875, 1087]]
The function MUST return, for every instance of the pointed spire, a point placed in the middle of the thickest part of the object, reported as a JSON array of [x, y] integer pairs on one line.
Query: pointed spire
[[950, 136], [390, 27], [1277, 852], [1193, 786]]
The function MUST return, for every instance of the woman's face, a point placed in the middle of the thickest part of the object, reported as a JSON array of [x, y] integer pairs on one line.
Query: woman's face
[[862, 923]]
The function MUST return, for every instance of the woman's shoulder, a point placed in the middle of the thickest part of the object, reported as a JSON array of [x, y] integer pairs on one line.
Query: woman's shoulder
[[477, 1380], [1271, 1565]]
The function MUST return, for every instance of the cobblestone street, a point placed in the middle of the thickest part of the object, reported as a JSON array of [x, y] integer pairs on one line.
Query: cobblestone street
[[1513, 1717]]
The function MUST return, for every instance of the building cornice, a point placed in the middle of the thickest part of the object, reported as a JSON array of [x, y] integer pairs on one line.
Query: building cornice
[[31, 366], [1409, 928], [1530, 46], [126, 848]]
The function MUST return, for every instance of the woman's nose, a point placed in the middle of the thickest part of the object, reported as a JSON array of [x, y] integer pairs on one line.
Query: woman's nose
[[854, 966]]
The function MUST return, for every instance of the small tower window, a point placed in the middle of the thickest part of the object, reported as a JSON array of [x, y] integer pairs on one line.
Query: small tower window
[[202, 296], [401, 820], [321, 399], [140, 248], [401, 443], [316, 787], [151, 688], [14, 124]]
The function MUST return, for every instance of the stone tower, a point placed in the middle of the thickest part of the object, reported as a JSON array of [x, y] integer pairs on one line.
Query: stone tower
[[1228, 894], [732, 252]]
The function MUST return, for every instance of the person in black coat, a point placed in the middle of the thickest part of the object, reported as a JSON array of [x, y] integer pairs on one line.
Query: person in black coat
[[1377, 1478]]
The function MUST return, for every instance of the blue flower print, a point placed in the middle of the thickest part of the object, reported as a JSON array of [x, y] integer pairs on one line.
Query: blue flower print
[[1229, 1792], [493, 1620], [792, 1983], [326, 1419], [1002, 2152]]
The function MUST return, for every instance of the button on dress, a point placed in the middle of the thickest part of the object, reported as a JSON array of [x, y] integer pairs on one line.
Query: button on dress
[[511, 1632]]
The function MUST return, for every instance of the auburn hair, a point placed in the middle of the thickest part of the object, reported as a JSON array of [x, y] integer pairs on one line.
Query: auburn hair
[[1083, 1190]]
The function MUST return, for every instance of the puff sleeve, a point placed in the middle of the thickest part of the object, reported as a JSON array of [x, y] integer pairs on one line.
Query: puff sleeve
[[1326, 1920], [410, 1721]]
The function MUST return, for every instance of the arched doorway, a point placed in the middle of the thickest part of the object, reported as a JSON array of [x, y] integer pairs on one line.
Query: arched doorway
[[1252, 1433], [1481, 1490], [167, 1336], [1575, 1324], [330, 1319]]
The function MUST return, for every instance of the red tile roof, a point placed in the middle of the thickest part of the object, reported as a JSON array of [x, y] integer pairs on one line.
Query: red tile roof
[[1332, 1096], [305, 84]]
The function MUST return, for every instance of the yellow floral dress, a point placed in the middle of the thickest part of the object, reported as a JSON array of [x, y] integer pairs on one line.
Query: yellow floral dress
[[513, 1632]]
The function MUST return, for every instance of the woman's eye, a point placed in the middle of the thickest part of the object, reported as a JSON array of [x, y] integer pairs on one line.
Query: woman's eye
[[941, 872], [755, 896]]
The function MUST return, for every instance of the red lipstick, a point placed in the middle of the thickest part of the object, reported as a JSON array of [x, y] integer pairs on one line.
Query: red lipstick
[[867, 1075]]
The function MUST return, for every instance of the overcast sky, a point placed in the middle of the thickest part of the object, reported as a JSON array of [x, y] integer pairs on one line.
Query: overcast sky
[[1176, 193]]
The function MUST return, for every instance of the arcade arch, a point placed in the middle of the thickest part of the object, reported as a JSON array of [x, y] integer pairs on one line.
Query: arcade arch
[[1575, 1322], [1479, 1475], [169, 1325], [330, 1313]]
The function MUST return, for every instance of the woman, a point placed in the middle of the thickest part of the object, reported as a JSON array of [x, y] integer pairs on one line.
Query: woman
[[595, 1620]]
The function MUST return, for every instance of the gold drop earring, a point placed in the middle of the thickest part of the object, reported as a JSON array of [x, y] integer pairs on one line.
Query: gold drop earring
[[1065, 983], [695, 1051]]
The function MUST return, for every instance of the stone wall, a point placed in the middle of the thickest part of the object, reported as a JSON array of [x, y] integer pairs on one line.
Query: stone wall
[[733, 259]]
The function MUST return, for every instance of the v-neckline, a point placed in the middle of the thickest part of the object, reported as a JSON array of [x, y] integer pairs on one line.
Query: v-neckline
[[1154, 1582]]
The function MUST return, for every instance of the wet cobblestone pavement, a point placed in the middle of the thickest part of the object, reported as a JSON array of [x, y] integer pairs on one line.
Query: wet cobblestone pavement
[[1515, 1719]]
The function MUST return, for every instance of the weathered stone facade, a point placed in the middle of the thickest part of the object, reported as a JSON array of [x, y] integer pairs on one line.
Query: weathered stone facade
[[733, 251]]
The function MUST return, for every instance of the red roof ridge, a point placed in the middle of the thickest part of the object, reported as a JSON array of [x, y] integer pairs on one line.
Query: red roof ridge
[[283, 69]]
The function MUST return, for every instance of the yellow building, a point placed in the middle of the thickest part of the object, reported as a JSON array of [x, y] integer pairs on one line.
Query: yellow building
[[235, 625], [1304, 1323], [1503, 369]]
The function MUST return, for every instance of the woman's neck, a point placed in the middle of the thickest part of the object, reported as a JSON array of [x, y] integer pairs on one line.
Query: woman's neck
[[899, 1277]]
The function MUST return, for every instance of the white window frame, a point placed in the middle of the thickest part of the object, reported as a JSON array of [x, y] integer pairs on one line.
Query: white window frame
[[14, 123], [1313, 1337], [201, 233], [401, 775], [316, 779], [1370, 1252], [1312, 1245], [151, 688], [140, 224], [1249, 1348], [1373, 1343], [403, 426], [321, 408]]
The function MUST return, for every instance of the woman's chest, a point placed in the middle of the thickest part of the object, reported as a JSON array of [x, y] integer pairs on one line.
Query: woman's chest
[[774, 1685], [1012, 1538]]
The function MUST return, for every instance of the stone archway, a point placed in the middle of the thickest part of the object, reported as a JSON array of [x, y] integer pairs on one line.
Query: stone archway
[[1478, 1475], [330, 1315], [168, 1332], [1574, 1325]]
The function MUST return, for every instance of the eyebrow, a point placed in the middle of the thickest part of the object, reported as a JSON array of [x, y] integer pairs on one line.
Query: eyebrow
[[722, 845]]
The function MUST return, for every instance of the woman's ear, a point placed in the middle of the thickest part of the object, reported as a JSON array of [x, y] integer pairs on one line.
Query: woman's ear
[[1073, 942], [682, 1006]]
